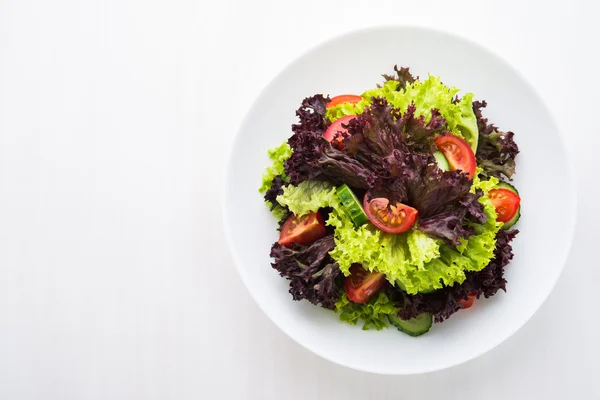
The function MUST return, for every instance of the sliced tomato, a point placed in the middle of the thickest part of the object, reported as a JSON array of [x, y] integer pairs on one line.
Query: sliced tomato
[[458, 153], [302, 230], [335, 127], [344, 98], [396, 218], [505, 202], [467, 303], [361, 285]]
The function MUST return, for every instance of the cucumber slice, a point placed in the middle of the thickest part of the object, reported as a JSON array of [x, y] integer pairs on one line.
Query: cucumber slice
[[505, 185], [415, 326], [509, 224], [352, 205], [441, 161]]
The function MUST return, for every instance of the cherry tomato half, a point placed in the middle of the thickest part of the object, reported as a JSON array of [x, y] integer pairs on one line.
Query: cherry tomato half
[[335, 127], [467, 303], [361, 285], [505, 202], [344, 98], [458, 153], [396, 218], [302, 230]]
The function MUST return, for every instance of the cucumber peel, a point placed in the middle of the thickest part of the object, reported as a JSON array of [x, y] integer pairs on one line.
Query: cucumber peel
[[509, 224], [352, 205], [416, 326]]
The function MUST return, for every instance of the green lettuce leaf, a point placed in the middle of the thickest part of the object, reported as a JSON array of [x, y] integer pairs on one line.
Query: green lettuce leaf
[[309, 196], [278, 211], [373, 314], [401, 257], [278, 155], [428, 94], [475, 253]]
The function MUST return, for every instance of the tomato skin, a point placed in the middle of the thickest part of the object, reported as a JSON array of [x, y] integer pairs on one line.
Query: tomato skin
[[335, 127], [458, 153], [343, 98], [361, 285], [467, 303], [302, 230], [400, 217], [505, 202]]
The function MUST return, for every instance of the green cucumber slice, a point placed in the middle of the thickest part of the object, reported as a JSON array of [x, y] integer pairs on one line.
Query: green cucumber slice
[[441, 161], [416, 326], [509, 224], [505, 185], [352, 205]]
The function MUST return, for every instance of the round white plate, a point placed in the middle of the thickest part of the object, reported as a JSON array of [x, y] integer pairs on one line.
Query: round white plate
[[351, 64]]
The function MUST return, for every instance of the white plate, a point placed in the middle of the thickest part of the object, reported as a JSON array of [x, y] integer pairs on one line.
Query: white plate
[[351, 64]]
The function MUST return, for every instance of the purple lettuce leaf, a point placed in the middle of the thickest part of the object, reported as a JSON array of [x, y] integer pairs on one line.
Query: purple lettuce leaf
[[314, 158], [443, 198], [418, 134], [403, 77], [377, 130], [449, 225], [496, 150], [381, 128], [312, 115], [312, 273], [275, 190]]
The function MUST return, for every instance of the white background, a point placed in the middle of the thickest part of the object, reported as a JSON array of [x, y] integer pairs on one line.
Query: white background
[[115, 118]]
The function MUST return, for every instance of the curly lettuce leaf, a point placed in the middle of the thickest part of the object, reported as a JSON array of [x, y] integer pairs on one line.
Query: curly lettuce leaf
[[308, 196], [497, 150], [425, 95], [476, 252], [402, 78], [276, 189], [382, 128], [314, 157], [486, 282], [311, 115], [274, 179], [278, 156], [479, 247], [343, 109], [422, 248], [313, 275], [373, 314], [279, 212], [446, 206], [401, 257]]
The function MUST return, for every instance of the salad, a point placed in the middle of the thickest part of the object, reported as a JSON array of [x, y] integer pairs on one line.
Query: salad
[[395, 206]]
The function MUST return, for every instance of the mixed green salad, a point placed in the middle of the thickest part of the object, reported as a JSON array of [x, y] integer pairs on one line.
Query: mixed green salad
[[394, 206]]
